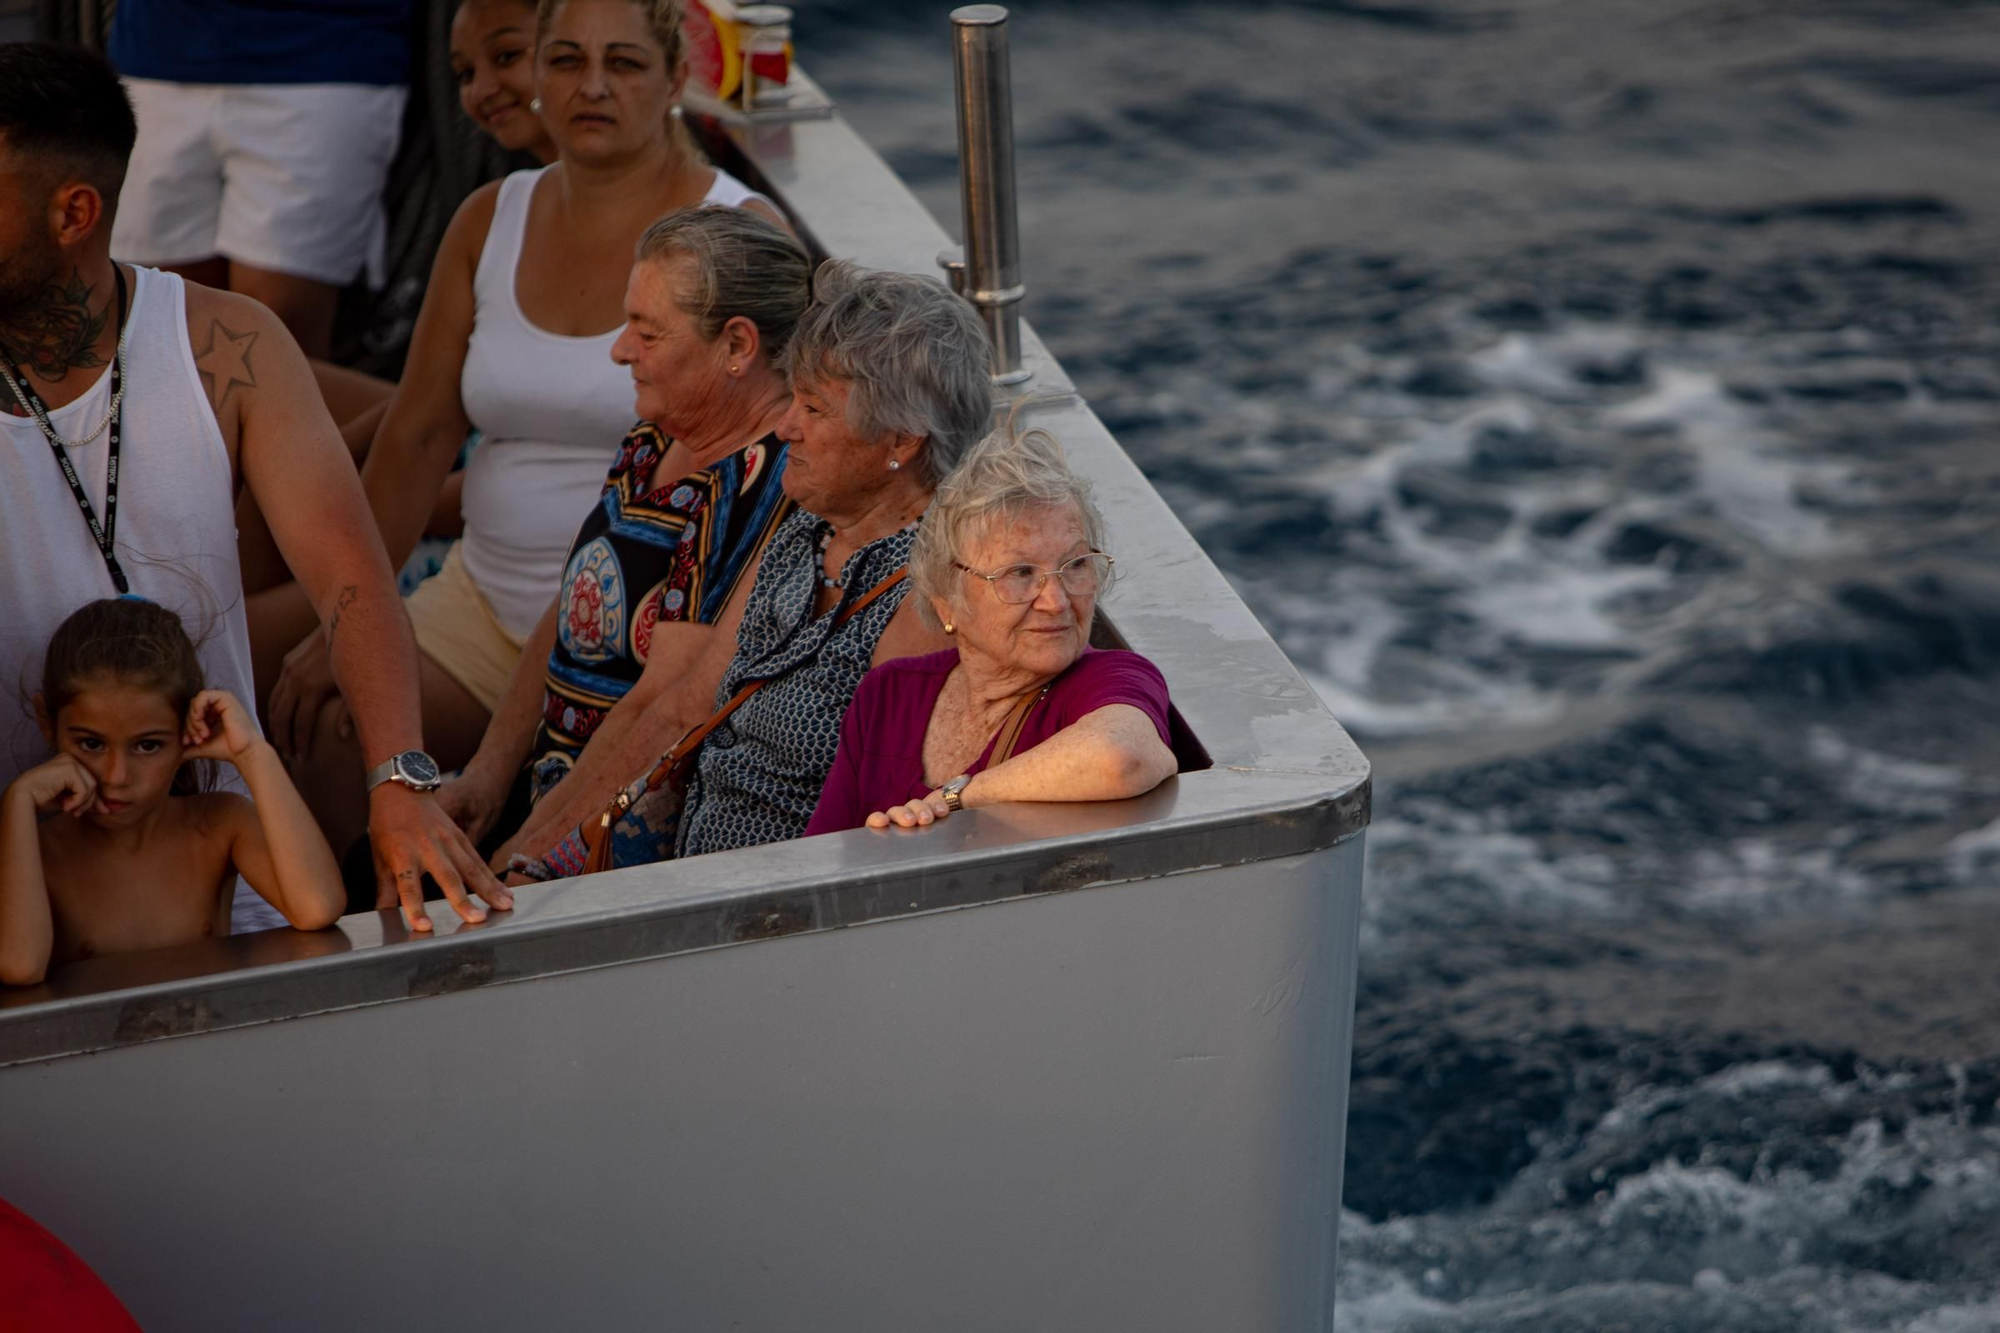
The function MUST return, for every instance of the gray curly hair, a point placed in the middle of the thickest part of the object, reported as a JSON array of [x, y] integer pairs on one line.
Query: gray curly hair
[[914, 357], [1006, 475]]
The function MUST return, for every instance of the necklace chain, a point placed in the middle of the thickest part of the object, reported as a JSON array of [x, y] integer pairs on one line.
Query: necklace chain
[[34, 409], [103, 533]]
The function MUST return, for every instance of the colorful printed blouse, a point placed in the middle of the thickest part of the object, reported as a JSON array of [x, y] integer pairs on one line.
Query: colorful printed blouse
[[650, 551]]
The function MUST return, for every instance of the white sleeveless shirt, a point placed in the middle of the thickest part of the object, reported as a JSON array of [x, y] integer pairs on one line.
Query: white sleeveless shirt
[[551, 410], [176, 538]]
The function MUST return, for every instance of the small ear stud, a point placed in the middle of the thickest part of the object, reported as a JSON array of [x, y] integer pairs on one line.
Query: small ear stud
[[734, 369], [895, 466], [950, 628], [535, 105]]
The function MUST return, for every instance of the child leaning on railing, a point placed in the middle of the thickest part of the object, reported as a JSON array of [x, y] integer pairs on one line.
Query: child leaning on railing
[[108, 847]]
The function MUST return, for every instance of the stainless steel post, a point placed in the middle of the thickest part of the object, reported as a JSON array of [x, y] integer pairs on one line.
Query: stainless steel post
[[992, 275]]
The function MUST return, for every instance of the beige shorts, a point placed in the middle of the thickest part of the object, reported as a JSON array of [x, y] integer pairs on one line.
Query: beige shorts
[[457, 630]]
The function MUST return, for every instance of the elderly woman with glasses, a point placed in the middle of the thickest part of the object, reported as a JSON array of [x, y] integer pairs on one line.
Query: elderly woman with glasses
[[1010, 564]]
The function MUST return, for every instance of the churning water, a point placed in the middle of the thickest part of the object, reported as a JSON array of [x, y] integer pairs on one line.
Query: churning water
[[1600, 401]]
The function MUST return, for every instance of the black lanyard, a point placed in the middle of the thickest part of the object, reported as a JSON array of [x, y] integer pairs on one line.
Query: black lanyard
[[106, 532]]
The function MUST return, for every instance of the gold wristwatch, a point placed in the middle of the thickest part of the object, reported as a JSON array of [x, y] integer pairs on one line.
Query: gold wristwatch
[[950, 792]]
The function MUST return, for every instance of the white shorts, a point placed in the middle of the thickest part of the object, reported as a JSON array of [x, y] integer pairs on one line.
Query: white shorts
[[286, 177]]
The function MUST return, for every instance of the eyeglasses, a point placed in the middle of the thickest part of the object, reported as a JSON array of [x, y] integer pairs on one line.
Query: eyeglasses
[[1080, 577]]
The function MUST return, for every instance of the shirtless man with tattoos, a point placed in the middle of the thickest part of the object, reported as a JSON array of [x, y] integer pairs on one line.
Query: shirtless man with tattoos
[[133, 409]]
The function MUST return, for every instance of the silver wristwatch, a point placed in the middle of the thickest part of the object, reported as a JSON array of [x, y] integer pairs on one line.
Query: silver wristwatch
[[950, 791], [413, 768]]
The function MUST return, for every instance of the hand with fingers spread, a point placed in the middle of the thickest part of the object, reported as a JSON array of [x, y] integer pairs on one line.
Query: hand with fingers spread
[[912, 814], [413, 837], [302, 689]]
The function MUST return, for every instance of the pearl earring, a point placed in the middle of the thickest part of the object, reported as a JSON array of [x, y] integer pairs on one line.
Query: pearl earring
[[950, 628], [535, 105], [895, 466]]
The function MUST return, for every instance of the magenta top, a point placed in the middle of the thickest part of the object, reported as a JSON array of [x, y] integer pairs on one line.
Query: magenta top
[[881, 758]]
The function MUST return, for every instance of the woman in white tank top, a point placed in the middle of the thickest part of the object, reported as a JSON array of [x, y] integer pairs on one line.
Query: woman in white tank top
[[525, 299]]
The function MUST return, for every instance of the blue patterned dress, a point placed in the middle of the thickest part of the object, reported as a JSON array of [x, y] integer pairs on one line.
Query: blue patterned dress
[[759, 774]]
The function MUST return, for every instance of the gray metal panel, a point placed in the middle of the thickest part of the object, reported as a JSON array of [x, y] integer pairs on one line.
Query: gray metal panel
[[1118, 1108], [848, 879]]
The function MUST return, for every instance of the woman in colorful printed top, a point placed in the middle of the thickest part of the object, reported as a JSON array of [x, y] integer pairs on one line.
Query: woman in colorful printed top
[[1010, 564], [654, 585]]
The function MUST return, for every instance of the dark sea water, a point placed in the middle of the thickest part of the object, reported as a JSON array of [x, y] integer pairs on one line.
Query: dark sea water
[[1600, 401]]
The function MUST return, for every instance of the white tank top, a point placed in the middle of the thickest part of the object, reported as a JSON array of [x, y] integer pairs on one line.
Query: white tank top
[[551, 411], [176, 536]]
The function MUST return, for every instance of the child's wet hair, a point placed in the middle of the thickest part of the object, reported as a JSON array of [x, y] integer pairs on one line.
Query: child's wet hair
[[126, 641]]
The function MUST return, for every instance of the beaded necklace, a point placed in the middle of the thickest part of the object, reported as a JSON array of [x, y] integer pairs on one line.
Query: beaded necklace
[[826, 539]]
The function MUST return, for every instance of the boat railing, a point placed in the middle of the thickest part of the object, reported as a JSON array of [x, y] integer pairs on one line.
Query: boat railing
[[987, 269]]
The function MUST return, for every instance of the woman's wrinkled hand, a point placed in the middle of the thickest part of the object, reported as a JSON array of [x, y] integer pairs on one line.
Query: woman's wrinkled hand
[[912, 814], [302, 689], [508, 850], [474, 803]]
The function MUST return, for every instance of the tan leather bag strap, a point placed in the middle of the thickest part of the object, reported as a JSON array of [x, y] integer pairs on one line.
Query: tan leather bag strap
[[597, 833], [689, 743], [1010, 730]]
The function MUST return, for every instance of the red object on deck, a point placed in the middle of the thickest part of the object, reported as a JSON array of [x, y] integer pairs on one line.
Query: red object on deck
[[45, 1288]]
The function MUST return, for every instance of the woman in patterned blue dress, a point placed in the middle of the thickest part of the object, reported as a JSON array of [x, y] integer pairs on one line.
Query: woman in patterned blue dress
[[889, 390], [660, 567]]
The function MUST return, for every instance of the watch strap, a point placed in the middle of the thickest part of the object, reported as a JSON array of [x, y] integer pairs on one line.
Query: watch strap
[[391, 770]]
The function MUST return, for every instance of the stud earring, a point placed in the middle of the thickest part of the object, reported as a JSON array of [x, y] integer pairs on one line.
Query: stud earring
[[535, 105], [950, 628], [733, 369], [895, 466]]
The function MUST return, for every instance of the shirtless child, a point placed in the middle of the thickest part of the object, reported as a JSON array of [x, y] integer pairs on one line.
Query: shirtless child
[[107, 847]]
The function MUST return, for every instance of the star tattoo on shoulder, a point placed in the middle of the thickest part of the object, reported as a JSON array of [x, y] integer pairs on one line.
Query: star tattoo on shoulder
[[225, 362]]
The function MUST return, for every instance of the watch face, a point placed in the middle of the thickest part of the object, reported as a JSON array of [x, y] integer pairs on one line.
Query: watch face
[[417, 768]]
